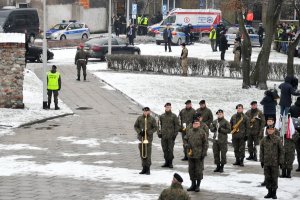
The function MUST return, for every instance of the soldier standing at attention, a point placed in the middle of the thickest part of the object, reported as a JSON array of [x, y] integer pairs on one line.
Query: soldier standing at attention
[[175, 192], [220, 127], [197, 146], [271, 156], [169, 129], [53, 86], [184, 59], [257, 123], [239, 126], [206, 114], [186, 117], [145, 126], [81, 60]]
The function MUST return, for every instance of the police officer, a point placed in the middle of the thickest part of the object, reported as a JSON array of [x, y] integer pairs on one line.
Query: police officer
[[145, 126], [81, 60], [53, 86], [213, 38], [257, 123], [175, 192], [169, 129], [220, 127], [271, 157], [197, 147], [186, 117]]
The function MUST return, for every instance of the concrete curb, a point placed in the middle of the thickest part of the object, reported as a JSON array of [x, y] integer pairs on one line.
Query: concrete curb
[[44, 120]]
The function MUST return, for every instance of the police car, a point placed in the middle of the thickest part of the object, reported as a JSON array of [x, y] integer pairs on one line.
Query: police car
[[68, 30], [232, 32], [178, 35]]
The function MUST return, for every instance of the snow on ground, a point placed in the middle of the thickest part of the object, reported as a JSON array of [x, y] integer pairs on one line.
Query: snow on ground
[[15, 147], [91, 142], [33, 111], [12, 37]]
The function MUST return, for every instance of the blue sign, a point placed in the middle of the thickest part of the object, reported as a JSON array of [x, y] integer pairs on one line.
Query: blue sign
[[164, 9], [134, 9], [202, 3]]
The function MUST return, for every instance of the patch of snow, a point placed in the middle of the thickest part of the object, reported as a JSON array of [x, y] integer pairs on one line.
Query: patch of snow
[[91, 142], [88, 154], [107, 87], [12, 37], [104, 162], [131, 196], [20, 147]]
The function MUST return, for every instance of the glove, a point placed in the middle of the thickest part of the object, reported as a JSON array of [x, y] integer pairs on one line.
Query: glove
[[262, 165], [142, 133], [280, 165], [246, 138]]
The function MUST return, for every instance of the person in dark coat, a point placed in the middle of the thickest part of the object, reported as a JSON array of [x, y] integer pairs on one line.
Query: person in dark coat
[[131, 34], [287, 90], [220, 27], [168, 37], [117, 26], [269, 105], [223, 45], [260, 33]]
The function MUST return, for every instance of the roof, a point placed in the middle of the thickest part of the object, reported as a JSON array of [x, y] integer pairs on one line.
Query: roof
[[12, 38]]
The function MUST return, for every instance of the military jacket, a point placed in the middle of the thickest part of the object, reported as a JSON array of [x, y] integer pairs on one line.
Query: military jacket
[[197, 142], [207, 116], [256, 121], [220, 134], [186, 116], [271, 151], [243, 128], [175, 192], [139, 126], [169, 125]]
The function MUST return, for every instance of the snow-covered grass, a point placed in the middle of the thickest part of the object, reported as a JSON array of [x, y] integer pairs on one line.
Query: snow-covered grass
[[91, 142], [33, 99]]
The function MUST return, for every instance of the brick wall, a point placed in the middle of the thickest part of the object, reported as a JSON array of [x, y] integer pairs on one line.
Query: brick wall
[[12, 64]]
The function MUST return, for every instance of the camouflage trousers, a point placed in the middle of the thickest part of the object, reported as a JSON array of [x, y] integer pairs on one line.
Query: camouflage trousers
[[252, 142], [81, 64], [271, 176], [220, 148], [239, 147], [289, 154], [146, 162], [195, 169], [184, 142], [168, 147]]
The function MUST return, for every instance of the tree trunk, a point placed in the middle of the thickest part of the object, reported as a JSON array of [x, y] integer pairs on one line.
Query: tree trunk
[[290, 58]]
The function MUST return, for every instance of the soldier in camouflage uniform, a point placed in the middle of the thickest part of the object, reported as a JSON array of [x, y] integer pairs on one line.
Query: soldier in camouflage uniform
[[139, 127], [197, 146], [186, 117], [81, 59], [169, 129], [206, 114], [271, 156], [257, 123], [175, 192], [239, 135], [295, 113], [220, 127]]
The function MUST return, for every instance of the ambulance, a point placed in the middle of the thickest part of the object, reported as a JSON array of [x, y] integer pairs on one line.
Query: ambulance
[[201, 19]]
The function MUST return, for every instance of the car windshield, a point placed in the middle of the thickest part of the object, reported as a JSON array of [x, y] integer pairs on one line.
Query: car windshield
[[170, 19], [232, 30], [59, 27], [98, 41], [3, 17]]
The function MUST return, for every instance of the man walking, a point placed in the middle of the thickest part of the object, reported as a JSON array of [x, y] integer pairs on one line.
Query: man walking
[[131, 34], [213, 38], [223, 44], [167, 35], [206, 114], [53, 86], [260, 33], [145, 126], [81, 60], [169, 129], [184, 59], [220, 127]]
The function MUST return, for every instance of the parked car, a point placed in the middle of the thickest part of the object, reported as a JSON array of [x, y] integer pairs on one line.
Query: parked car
[[98, 47], [20, 20], [177, 33], [232, 33], [35, 53], [68, 30]]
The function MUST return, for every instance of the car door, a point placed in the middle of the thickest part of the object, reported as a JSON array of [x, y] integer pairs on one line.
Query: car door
[[70, 31], [77, 31], [124, 48], [19, 23]]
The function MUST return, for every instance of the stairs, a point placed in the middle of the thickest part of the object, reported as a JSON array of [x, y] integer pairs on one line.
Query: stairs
[[85, 3]]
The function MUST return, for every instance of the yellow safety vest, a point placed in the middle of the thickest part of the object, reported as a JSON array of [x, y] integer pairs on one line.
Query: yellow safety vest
[[139, 19], [213, 35], [145, 21], [53, 81]]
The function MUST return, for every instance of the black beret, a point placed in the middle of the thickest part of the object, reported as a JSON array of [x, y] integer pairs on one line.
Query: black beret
[[270, 127], [202, 102], [167, 104], [178, 178], [188, 102], [146, 109], [54, 66], [219, 111], [196, 120], [239, 105], [183, 44], [253, 102]]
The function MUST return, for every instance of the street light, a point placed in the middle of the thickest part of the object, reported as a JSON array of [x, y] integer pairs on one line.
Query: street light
[[44, 78], [109, 28], [128, 13]]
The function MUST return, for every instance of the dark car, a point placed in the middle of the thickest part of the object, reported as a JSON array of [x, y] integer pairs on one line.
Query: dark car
[[20, 20], [34, 53], [98, 47]]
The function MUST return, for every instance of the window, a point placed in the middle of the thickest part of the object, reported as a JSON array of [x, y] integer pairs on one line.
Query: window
[[77, 26], [170, 19], [71, 27]]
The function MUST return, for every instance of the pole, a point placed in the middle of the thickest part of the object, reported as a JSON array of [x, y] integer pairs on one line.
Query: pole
[[168, 5], [174, 2], [109, 28], [128, 14], [213, 4], [44, 57], [206, 4]]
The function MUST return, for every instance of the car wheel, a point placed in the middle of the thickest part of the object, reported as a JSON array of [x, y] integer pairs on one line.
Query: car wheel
[[85, 36], [179, 42], [40, 58], [63, 37], [158, 43]]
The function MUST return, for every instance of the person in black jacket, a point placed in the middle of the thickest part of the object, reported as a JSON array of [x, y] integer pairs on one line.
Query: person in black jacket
[[260, 33], [223, 45], [168, 37], [287, 90], [131, 34], [269, 105]]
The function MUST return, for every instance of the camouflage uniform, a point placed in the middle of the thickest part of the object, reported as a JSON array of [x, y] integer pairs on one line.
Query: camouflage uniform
[[297, 146], [81, 60], [220, 140], [175, 192], [257, 123], [139, 126], [271, 156], [186, 116], [184, 61], [239, 138], [289, 155], [206, 114], [169, 130]]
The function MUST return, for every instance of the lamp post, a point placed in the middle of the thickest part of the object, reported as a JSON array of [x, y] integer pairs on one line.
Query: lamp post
[[44, 78], [128, 13], [109, 28]]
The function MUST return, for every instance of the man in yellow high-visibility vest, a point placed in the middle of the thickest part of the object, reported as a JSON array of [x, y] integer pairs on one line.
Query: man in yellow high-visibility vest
[[213, 38], [53, 86]]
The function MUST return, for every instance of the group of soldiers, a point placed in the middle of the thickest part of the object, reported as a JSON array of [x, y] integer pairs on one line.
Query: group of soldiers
[[251, 127]]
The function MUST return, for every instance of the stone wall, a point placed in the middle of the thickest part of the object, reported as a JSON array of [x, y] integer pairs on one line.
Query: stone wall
[[12, 64]]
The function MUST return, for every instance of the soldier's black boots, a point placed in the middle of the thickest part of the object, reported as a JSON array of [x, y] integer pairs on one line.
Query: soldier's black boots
[[221, 168], [288, 173], [147, 171], [250, 157], [242, 162], [84, 78], [170, 164], [263, 183], [56, 107], [48, 105], [269, 195], [274, 196], [166, 164], [78, 78], [283, 173], [237, 162], [197, 188], [192, 188], [255, 157], [217, 169], [185, 158], [143, 171]]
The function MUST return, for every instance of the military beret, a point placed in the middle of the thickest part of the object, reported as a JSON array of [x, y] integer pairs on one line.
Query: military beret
[[167, 104], [270, 127], [219, 111], [183, 44], [202, 102], [178, 178], [146, 109], [188, 102], [253, 102], [196, 120], [239, 105]]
